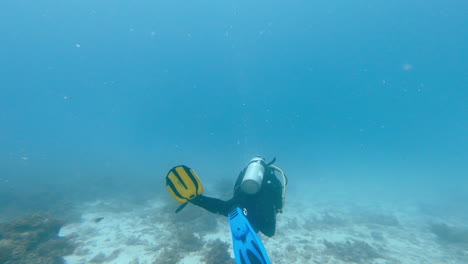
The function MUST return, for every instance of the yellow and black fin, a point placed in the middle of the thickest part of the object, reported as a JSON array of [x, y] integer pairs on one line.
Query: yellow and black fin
[[183, 184]]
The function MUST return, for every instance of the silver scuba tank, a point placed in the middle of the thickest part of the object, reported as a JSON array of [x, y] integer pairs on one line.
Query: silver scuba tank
[[253, 177]]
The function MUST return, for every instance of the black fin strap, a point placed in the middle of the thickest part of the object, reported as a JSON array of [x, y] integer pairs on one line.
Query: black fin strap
[[271, 162], [182, 206]]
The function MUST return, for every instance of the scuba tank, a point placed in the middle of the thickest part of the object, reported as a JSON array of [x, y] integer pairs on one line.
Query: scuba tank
[[253, 177]]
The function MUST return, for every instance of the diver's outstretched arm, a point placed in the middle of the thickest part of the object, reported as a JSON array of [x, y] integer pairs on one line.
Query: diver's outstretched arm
[[213, 205]]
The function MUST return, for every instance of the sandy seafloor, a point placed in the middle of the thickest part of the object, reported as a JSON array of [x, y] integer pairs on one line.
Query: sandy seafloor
[[307, 232]]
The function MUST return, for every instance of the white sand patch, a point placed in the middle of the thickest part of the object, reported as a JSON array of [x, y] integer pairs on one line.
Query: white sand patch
[[398, 236], [314, 232], [136, 236], [117, 238]]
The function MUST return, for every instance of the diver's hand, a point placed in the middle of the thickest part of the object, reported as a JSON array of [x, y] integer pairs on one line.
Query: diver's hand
[[197, 200]]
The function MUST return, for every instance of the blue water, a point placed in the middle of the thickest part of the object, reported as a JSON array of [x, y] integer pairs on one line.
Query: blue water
[[103, 97]]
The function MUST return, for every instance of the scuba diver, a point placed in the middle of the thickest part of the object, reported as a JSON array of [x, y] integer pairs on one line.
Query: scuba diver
[[257, 192]]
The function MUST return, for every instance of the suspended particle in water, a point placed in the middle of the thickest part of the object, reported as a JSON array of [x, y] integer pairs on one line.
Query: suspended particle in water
[[407, 67]]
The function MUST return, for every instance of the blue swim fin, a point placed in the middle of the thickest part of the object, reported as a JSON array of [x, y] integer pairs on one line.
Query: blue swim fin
[[248, 248]]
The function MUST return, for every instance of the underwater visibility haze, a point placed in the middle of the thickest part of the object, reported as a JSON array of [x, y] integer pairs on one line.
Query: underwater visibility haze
[[361, 102]]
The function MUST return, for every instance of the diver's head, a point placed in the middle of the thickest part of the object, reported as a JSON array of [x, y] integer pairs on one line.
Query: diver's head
[[253, 176]]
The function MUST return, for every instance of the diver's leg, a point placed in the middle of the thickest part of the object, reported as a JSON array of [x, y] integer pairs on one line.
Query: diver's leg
[[268, 224]]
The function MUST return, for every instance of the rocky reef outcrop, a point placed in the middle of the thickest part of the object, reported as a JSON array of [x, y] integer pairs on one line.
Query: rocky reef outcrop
[[33, 239]]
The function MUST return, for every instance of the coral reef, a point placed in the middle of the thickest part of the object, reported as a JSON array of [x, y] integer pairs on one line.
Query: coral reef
[[33, 239], [218, 253], [448, 234], [352, 251]]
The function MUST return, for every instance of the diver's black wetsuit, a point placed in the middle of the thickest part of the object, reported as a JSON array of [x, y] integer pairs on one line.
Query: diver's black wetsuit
[[261, 207]]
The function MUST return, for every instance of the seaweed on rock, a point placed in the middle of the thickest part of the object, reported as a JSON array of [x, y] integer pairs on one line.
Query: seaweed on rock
[[448, 234], [186, 240], [352, 251], [102, 258], [183, 240], [33, 239], [99, 258], [168, 256], [6, 250], [218, 253]]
